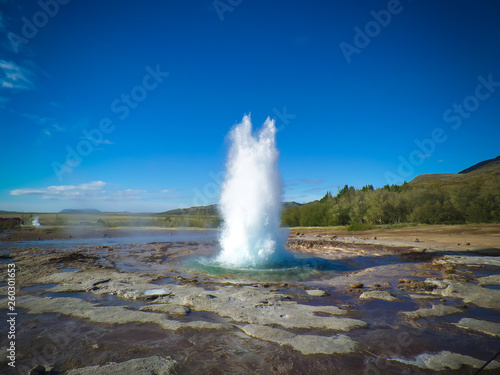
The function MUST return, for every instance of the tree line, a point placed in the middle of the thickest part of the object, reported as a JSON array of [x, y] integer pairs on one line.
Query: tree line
[[434, 202]]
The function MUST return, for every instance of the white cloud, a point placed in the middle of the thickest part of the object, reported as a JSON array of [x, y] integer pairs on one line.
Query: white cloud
[[13, 76], [66, 192], [424, 156], [103, 142], [311, 181], [93, 191]]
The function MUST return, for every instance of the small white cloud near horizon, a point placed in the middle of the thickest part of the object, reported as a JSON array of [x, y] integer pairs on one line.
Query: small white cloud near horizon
[[89, 192], [13, 76], [311, 181], [65, 192], [424, 156]]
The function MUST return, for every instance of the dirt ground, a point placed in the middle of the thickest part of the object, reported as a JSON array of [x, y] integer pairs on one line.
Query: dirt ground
[[469, 236], [482, 236]]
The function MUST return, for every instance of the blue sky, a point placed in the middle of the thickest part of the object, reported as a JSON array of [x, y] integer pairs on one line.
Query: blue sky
[[125, 105]]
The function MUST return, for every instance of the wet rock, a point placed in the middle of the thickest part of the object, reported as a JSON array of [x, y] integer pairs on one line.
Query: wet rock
[[482, 326], [197, 300], [379, 294], [240, 303], [260, 306], [316, 292], [469, 260], [415, 285], [488, 252], [489, 280], [167, 308], [356, 285], [445, 361], [435, 310], [306, 344], [418, 255], [422, 296], [470, 293], [38, 370], [140, 366], [106, 314]]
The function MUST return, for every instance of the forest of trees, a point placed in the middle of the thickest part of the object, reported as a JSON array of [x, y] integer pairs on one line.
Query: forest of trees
[[434, 202]]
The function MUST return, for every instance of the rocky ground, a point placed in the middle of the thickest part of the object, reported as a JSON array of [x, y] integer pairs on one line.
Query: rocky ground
[[386, 304]]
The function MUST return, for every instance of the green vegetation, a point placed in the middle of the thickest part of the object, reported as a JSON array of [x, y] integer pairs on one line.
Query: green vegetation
[[199, 217], [455, 199], [471, 196], [10, 225]]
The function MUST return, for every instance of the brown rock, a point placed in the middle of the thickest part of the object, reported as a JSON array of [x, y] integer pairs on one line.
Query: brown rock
[[357, 285]]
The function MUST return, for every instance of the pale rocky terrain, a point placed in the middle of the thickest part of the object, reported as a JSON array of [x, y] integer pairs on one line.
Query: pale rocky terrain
[[385, 304]]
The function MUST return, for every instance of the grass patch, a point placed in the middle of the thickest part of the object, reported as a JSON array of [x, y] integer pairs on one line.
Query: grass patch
[[355, 227]]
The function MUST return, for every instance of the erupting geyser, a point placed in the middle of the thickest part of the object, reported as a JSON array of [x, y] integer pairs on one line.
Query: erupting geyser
[[250, 202]]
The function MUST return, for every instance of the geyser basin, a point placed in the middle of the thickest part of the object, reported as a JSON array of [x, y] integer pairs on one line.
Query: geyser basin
[[293, 268], [250, 205]]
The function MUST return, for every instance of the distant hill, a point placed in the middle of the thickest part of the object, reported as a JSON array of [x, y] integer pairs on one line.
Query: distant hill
[[79, 211], [489, 164], [210, 210], [479, 172]]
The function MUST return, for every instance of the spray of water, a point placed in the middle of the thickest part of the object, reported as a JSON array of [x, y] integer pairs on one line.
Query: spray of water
[[250, 202], [35, 222]]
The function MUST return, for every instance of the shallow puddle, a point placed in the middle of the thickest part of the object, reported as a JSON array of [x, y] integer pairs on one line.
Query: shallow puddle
[[38, 287]]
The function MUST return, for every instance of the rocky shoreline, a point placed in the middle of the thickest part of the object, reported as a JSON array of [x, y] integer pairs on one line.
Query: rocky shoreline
[[392, 309]]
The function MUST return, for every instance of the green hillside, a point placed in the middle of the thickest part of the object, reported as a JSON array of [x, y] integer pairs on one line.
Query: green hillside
[[444, 198]]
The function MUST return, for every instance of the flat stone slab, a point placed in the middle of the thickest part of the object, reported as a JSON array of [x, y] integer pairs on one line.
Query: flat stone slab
[[167, 308], [255, 306], [489, 280], [140, 366], [445, 360], [316, 292], [306, 344], [106, 314], [469, 292], [379, 294], [242, 304], [469, 260], [482, 326], [435, 310]]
